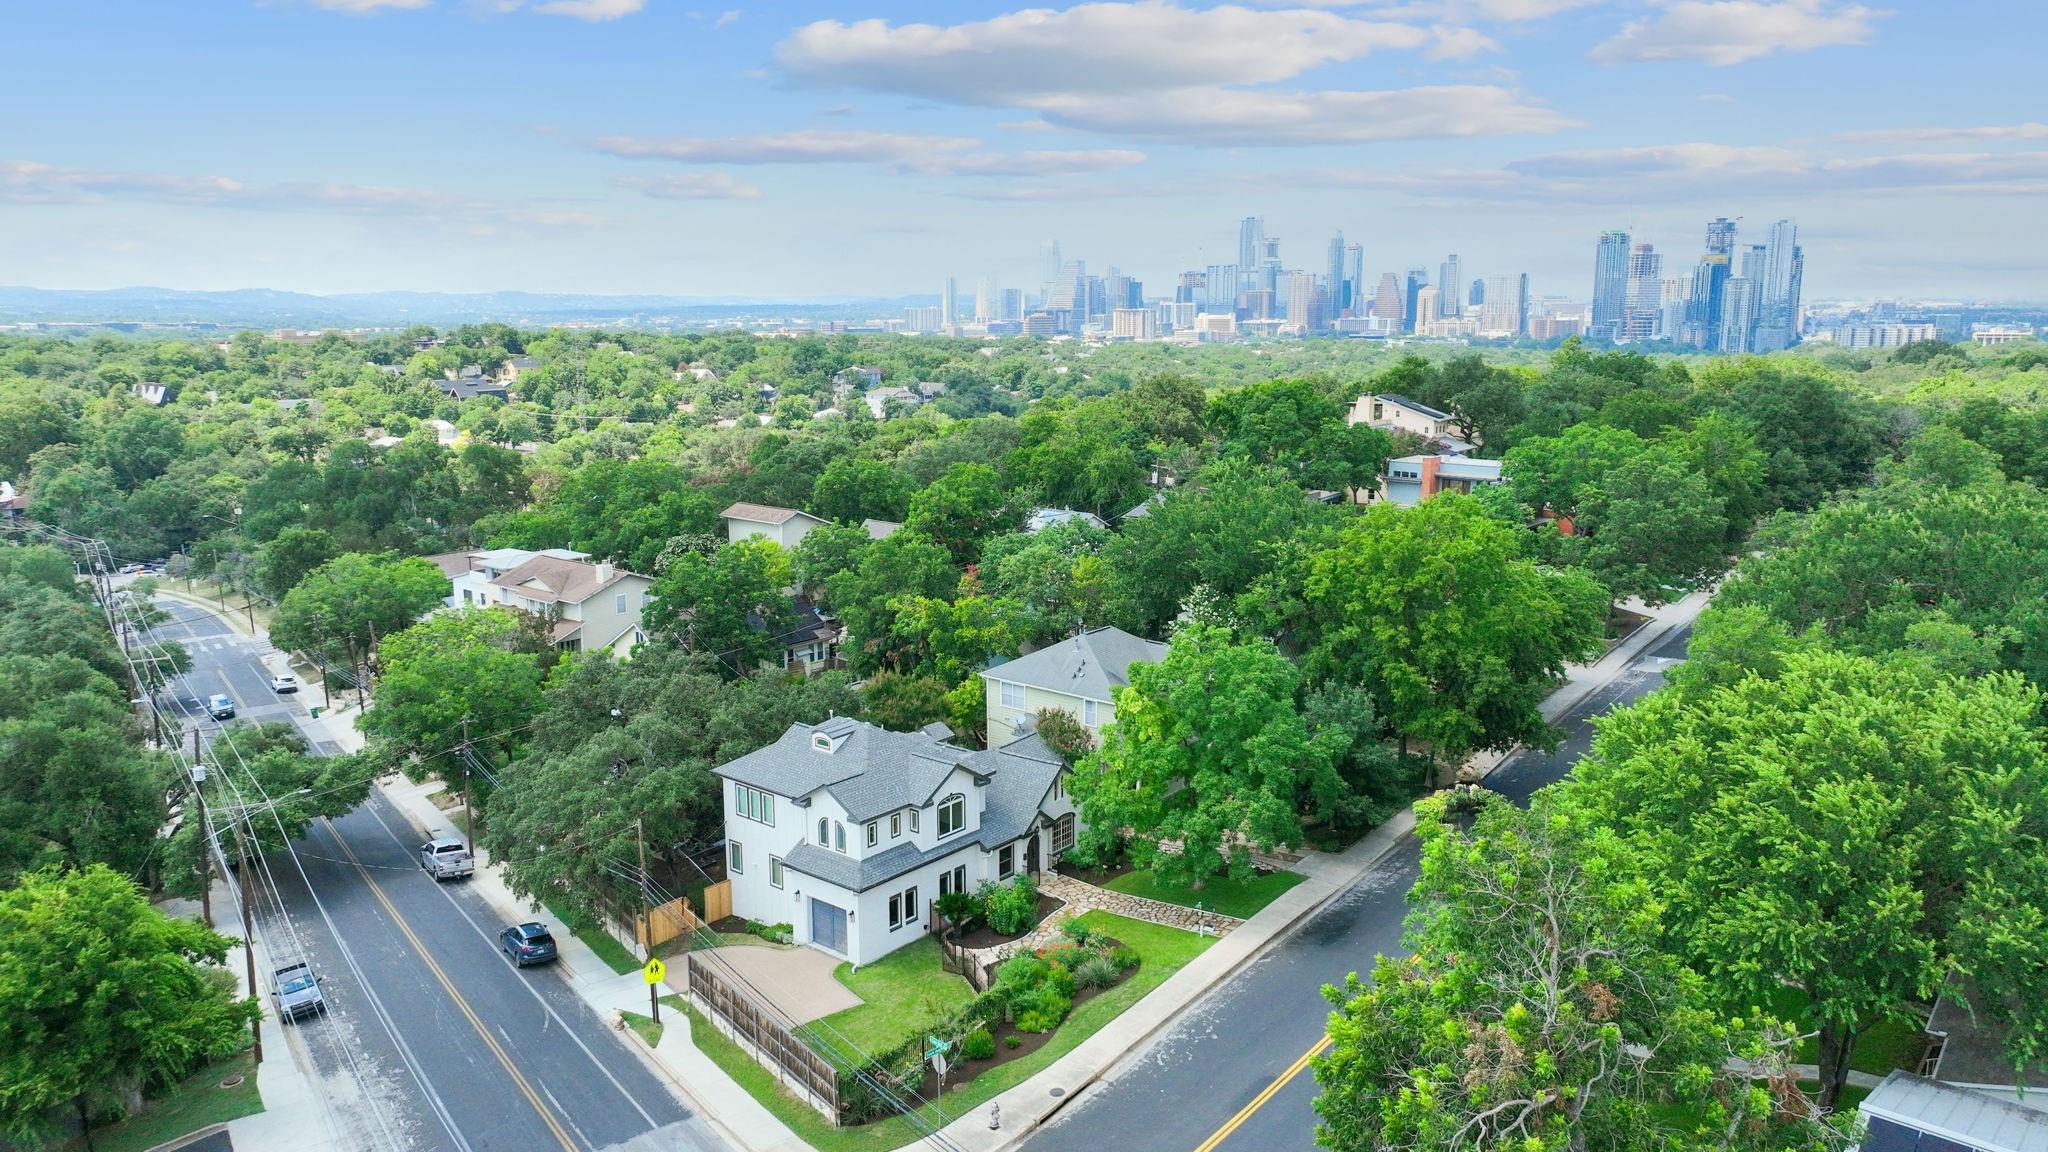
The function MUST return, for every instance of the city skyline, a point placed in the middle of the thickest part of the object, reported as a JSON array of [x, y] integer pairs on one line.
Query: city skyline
[[634, 146]]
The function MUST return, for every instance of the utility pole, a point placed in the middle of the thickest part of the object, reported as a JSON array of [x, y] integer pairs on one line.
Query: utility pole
[[468, 816], [205, 862], [647, 919], [249, 941]]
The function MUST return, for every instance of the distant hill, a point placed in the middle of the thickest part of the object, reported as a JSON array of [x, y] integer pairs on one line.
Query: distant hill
[[267, 308]]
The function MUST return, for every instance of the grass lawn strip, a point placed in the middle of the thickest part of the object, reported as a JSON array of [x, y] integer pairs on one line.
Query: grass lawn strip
[[197, 1103], [1165, 951], [598, 940], [901, 993], [645, 1026], [1221, 894]]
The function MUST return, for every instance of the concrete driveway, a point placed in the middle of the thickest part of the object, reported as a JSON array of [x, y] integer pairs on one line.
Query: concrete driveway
[[797, 980]]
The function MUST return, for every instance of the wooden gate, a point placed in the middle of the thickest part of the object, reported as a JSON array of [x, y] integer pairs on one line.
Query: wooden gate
[[718, 900], [669, 921]]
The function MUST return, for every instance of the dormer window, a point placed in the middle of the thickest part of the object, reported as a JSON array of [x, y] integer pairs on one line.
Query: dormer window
[[951, 811], [821, 743]]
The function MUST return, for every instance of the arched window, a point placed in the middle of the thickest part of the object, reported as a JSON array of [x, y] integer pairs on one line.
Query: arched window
[[839, 835], [822, 824]]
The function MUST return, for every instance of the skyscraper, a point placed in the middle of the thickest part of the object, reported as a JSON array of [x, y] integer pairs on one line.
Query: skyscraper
[[1644, 301], [987, 297], [1506, 310], [1220, 288], [1449, 275], [1013, 304], [1721, 235], [1388, 300], [1478, 295], [1334, 277], [1251, 239], [1610, 283], [1428, 308], [1303, 294], [946, 317], [1354, 278], [1271, 274], [1703, 311], [1738, 313], [1777, 305], [1049, 267], [1411, 288]]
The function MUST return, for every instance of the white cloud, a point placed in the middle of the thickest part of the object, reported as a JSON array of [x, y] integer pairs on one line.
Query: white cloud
[[29, 182], [1090, 48], [727, 18], [692, 186], [1724, 32], [592, 10], [2029, 131], [1254, 118], [368, 5], [803, 146], [902, 152], [1699, 173]]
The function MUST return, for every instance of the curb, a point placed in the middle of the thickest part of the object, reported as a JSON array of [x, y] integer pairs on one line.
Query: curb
[[192, 1137], [660, 1067]]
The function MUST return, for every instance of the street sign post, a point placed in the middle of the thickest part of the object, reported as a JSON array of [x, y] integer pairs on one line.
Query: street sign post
[[654, 972], [935, 1051]]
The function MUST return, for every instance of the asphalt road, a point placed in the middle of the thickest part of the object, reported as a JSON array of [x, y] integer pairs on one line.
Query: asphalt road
[[432, 1041], [1220, 1063]]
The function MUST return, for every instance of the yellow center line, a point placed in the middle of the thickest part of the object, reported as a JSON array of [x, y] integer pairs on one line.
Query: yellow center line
[[518, 1081], [1259, 1101]]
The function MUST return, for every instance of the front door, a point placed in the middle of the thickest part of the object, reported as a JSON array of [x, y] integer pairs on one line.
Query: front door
[[828, 926], [1031, 855]]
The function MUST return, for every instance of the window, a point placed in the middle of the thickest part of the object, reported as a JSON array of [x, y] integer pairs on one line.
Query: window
[[1059, 786], [465, 595], [951, 809], [1012, 694], [823, 824], [1063, 833], [895, 913], [945, 884], [1006, 861], [960, 878], [839, 836], [1088, 713], [775, 871], [645, 599], [874, 832], [732, 857], [754, 804], [913, 821], [910, 905], [619, 604], [895, 825]]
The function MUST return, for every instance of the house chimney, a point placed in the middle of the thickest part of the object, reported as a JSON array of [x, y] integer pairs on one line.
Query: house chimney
[[604, 571], [1430, 464]]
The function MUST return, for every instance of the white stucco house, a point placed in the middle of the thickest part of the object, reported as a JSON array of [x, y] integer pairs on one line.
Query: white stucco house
[[785, 526], [1079, 676], [1393, 413], [848, 832]]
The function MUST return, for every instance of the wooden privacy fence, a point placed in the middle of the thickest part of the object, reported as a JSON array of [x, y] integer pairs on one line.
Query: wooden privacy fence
[[771, 1042], [666, 922], [718, 900]]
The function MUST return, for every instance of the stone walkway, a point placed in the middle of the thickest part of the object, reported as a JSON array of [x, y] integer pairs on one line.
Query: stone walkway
[[1082, 896]]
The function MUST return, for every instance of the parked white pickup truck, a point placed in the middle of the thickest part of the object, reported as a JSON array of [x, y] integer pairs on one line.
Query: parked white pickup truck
[[446, 859]]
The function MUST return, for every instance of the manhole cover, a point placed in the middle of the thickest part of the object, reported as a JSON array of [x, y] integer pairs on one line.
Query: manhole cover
[[1059, 1091], [231, 1082]]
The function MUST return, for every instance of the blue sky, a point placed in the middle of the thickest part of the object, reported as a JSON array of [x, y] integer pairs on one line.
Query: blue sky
[[804, 149]]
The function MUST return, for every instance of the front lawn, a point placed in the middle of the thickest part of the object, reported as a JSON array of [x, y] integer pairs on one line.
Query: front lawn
[[197, 1103], [1164, 951], [901, 993], [1238, 898]]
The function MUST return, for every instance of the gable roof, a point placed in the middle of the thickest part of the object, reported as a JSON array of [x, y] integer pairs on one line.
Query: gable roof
[[1091, 665], [763, 513], [1422, 409], [1957, 1116], [553, 580], [1020, 773]]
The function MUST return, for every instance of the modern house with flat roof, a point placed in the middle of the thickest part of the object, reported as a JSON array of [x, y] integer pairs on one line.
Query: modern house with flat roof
[[847, 832], [1079, 676], [1413, 479], [1908, 1113]]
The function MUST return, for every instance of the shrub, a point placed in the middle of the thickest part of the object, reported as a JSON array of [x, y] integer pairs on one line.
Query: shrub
[[1078, 932], [978, 1045], [1061, 980], [1095, 972], [1012, 1041], [1124, 956], [1011, 907], [1065, 954], [1044, 1006], [774, 933], [959, 908], [1037, 1021], [1017, 975]]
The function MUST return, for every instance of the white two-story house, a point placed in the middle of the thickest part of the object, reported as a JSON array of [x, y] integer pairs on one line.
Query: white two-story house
[[593, 607], [1079, 676], [847, 831]]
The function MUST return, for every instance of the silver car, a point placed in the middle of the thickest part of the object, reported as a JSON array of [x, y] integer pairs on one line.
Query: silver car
[[295, 990]]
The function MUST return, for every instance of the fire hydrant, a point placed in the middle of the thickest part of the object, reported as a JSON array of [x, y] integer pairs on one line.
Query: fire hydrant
[[995, 1117]]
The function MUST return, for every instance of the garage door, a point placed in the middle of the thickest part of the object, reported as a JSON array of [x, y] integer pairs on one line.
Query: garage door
[[828, 926]]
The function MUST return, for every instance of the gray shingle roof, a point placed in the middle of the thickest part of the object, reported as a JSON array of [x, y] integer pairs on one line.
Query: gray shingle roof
[[1404, 402], [1959, 1115], [1091, 665], [861, 875], [870, 771], [1020, 773]]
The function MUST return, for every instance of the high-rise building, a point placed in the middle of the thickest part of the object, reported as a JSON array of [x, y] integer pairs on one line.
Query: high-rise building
[[1506, 309], [1333, 275], [1428, 307], [1124, 291], [1478, 294], [1411, 287], [1220, 288], [1709, 284], [1013, 305], [1354, 279], [946, 317], [1272, 276], [1133, 324], [1449, 275], [1190, 287], [987, 299], [1049, 267], [926, 319], [1721, 235], [1251, 241], [1610, 283], [1676, 299], [1738, 313], [1308, 303], [1387, 302], [1643, 301]]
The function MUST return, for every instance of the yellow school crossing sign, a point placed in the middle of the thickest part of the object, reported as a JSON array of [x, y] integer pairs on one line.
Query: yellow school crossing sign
[[655, 971]]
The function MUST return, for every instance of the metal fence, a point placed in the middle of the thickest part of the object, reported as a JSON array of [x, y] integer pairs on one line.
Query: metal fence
[[772, 1042]]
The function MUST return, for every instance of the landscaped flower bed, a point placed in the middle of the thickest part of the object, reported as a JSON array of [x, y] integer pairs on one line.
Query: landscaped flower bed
[[997, 913]]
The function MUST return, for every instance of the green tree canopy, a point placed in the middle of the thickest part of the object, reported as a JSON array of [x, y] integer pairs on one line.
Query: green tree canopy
[[1292, 425], [345, 606], [469, 665], [731, 604], [961, 509]]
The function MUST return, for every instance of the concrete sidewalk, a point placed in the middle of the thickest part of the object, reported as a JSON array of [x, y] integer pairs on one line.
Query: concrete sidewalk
[[336, 721]]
